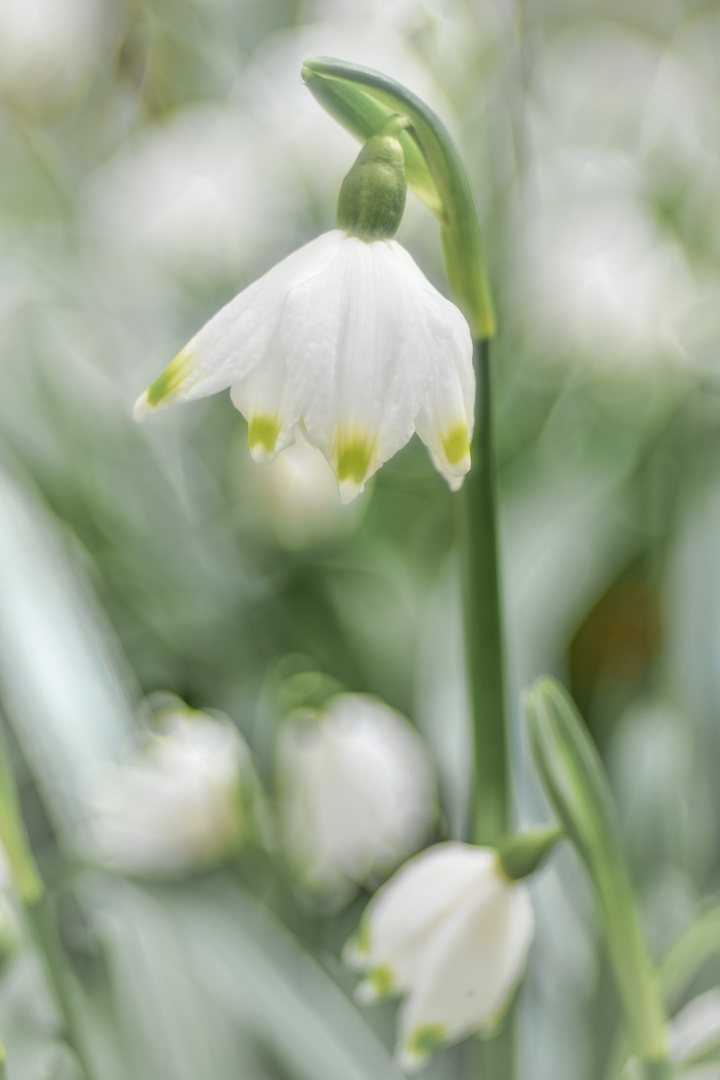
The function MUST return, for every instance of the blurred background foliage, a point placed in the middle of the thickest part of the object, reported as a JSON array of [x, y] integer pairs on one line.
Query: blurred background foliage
[[157, 155]]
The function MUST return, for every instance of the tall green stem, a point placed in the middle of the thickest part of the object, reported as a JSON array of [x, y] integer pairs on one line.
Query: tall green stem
[[484, 634], [485, 661]]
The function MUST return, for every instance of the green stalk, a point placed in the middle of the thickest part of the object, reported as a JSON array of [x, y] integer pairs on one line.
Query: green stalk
[[484, 635], [490, 809], [57, 973]]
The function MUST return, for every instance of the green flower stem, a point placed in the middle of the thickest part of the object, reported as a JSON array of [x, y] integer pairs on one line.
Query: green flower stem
[[490, 811], [57, 973], [484, 636], [3, 1063]]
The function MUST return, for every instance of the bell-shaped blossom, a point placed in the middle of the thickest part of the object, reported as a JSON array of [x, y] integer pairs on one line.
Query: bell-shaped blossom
[[357, 791], [347, 338], [184, 800], [451, 932]]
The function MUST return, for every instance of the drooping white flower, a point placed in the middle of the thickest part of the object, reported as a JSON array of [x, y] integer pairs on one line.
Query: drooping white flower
[[180, 802], [357, 792], [451, 932], [348, 338]]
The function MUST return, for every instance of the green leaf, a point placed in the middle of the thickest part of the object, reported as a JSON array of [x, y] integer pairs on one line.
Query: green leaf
[[577, 788], [695, 946], [64, 686], [208, 981], [362, 101]]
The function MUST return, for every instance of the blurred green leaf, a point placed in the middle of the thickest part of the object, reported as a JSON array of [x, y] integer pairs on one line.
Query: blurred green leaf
[[204, 976], [64, 685]]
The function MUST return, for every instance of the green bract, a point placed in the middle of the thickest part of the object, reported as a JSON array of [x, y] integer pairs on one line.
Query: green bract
[[575, 784], [363, 101]]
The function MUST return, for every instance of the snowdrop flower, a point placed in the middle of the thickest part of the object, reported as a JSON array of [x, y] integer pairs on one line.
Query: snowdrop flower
[[357, 793], [345, 337], [451, 932], [181, 802]]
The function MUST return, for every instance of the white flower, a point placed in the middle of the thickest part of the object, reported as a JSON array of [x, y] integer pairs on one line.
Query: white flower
[[451, 932], [357, 791], [348, 338], [296, 498], [179, 803]]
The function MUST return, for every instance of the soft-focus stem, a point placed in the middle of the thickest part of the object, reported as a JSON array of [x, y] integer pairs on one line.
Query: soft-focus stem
[[484, 634], [55, 966], [485, 662]]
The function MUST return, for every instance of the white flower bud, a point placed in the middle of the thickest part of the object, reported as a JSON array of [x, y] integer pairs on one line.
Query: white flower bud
[[357, 791], [452, 933], [179, 803]]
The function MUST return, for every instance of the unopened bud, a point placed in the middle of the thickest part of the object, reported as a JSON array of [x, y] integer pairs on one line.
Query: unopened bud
[[372, 196]]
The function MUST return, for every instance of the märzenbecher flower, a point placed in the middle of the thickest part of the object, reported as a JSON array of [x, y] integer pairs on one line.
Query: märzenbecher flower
[[345, 337], [451, 932]]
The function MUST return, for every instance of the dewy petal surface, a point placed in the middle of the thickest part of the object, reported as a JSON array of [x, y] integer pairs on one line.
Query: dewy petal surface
[[236, 340], [406, 914], [468, 972]]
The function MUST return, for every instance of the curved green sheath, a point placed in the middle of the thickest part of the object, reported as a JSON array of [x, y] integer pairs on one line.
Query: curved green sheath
[[363, 100]]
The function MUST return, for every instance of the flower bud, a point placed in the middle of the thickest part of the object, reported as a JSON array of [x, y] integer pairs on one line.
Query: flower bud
[[451, 932], [357, 792], [372, 196], [186, 799]]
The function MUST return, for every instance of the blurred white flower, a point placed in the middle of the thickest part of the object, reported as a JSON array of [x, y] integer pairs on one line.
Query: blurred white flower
[[695, 1030], [183, 801], [48, 48], [349, 338], [452, 933], [296, 497], [594, 273], [357, 793], [192, 192]]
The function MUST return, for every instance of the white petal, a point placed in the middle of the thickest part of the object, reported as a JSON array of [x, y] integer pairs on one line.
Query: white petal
[[445, 420], [474, 962], [235, 340], [405, 915], [353, 336]]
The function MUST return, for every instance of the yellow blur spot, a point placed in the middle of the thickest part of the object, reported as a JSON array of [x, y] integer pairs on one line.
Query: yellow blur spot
[[382, 980], [455, 443], [171, 377], [354, 453], [263, 430]]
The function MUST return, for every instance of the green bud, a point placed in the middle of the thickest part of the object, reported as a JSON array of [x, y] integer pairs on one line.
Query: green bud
[[524, 853], [372, 196]]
